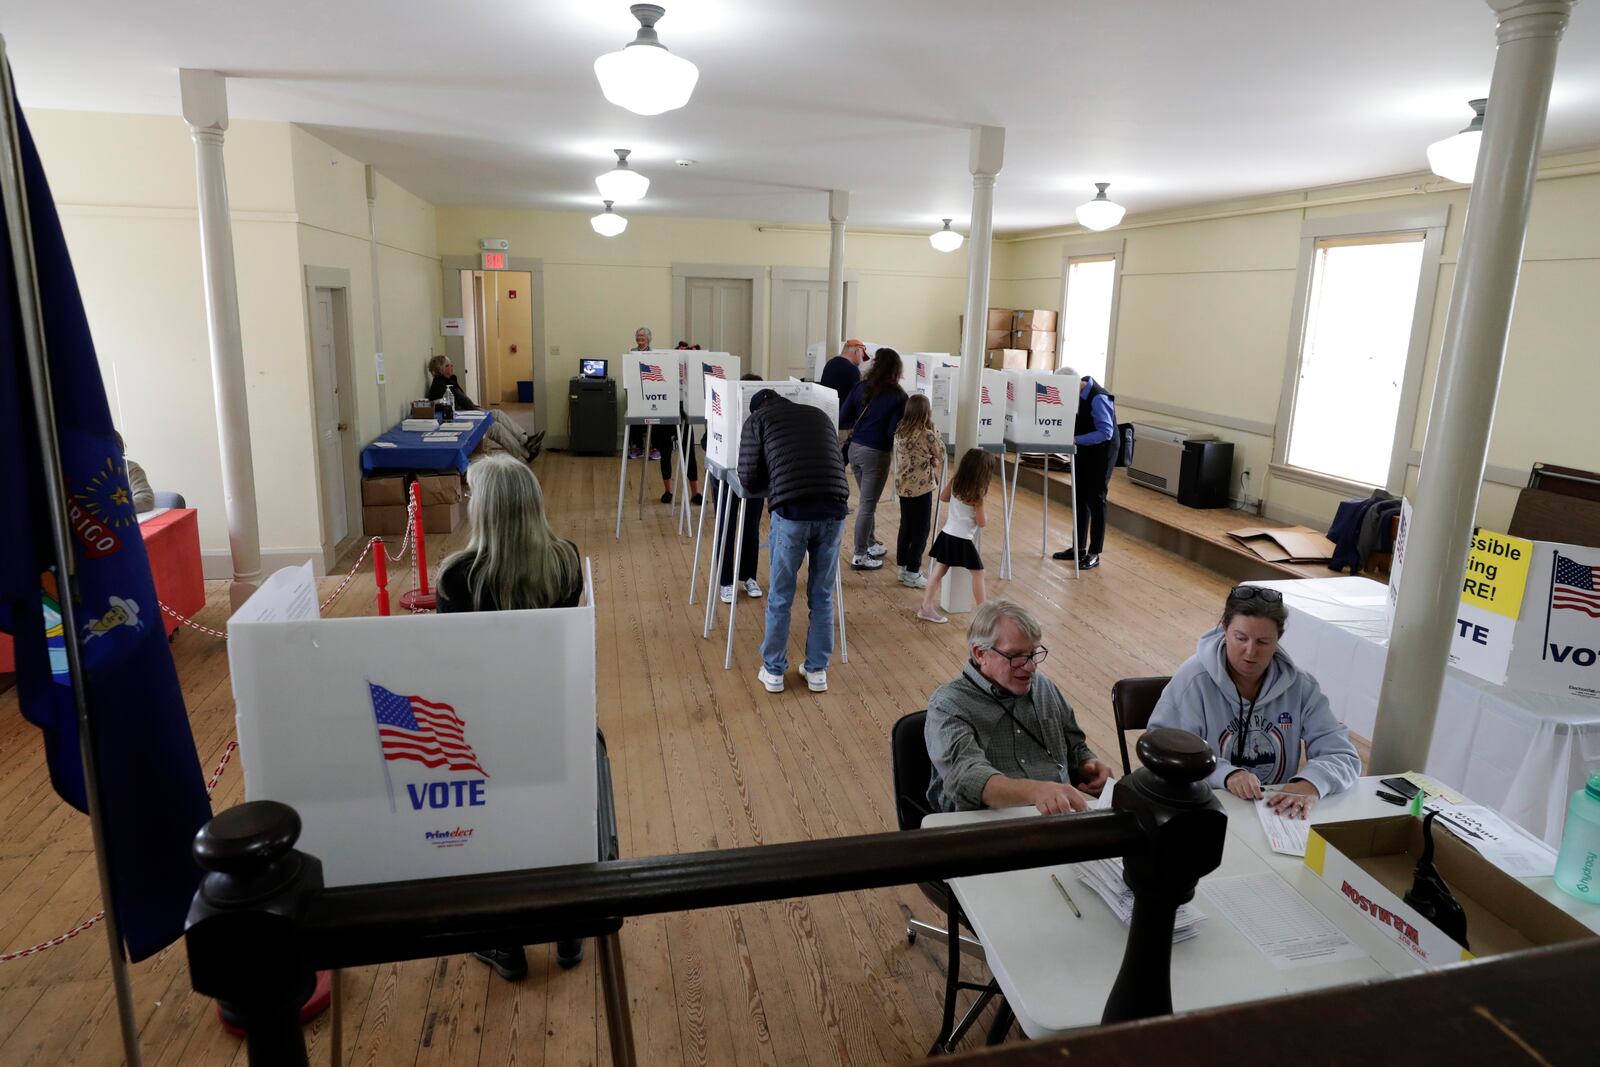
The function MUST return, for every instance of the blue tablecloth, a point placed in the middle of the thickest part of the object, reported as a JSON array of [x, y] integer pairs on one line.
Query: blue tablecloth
[[412, 453]]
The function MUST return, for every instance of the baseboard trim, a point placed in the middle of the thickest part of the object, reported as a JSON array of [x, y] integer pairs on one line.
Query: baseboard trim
[[217, 564]]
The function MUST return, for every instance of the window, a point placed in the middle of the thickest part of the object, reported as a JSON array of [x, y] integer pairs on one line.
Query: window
[[1086, 320], [1350, 392]]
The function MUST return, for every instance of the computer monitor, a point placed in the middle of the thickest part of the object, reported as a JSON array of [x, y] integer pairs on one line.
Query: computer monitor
[[593, 368]]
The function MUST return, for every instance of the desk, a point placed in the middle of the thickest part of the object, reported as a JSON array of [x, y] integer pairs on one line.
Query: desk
[[1523, 754], [412, 453], [1056, 970]]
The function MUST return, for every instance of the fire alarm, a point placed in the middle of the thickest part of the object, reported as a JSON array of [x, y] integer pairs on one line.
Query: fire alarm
[[513, 350], [513, 293]]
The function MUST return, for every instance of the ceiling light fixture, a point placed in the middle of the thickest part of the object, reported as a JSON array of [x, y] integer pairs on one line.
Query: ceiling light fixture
[[1100, 213], [1456, 157], [622, 183], [643, 76], [608, 223], [945, 240]]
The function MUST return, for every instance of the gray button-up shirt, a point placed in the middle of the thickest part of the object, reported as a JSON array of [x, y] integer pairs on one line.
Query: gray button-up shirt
[[973, 735]]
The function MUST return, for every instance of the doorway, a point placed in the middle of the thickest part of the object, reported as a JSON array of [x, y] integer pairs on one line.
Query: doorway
[[717, 315], [498, 333], [333, 404], [800, 317]]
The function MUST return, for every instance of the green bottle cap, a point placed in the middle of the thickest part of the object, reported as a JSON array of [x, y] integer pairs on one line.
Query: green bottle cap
[[1593, 786]]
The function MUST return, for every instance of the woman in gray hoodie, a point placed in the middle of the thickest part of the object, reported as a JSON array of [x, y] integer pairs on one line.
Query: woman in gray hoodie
[[1244, 695]]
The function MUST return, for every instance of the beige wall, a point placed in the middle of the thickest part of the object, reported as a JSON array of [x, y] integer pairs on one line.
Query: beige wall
[[1206, 309], [598, 290], [125, 188]]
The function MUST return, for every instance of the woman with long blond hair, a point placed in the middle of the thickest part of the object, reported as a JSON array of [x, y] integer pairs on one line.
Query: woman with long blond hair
[[513, 560]]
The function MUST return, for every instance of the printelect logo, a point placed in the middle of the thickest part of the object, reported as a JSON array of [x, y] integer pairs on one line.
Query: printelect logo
[[448, 838]]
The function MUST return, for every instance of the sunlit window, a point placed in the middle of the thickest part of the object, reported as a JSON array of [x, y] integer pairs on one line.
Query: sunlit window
[[1086, 320]]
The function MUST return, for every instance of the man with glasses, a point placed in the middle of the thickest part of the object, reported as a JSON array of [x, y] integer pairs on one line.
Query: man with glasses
[[1002, 735]]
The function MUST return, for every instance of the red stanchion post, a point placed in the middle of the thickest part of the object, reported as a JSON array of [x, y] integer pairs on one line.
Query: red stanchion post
[[380, 573], [420, 598]]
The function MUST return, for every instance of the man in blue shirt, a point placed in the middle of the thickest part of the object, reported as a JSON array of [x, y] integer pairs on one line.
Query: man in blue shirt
[[842, 372], [1095, 434]]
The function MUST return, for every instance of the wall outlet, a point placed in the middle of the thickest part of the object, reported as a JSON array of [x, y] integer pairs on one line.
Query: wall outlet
[[555, 350]]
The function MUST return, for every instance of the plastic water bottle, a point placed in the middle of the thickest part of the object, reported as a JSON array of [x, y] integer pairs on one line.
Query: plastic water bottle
[[1578, 864]]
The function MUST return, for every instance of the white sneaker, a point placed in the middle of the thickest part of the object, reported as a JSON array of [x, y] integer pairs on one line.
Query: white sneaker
[[816, 681], [913, 579], [865, 563], [878, 550], [773, 682], [751, 589], [727, 594]]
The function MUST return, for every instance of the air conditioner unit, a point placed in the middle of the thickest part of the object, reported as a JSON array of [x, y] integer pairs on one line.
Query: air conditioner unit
[[1158, 455]]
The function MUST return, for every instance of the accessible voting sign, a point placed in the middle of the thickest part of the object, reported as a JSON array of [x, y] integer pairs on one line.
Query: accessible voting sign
[[406, 760]]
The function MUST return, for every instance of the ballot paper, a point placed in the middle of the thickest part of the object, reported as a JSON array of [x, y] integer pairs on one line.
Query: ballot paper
[[1279, 922], [1496, 840], [419, 425], [1284, 833], [1105, 878], [441, 437], [384, 444], [455, 424]]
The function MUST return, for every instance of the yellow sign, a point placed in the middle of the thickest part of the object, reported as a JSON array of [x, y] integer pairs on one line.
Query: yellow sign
[[1497, 571]]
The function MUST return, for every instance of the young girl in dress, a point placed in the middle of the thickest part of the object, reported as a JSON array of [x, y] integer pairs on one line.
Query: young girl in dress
[[918, 457], [954, 546]]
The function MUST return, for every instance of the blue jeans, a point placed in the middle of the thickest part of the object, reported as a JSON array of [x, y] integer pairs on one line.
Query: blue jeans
[[791, 543]]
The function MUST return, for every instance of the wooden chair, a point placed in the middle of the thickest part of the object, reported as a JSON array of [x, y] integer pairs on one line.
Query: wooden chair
[[1133, 700]]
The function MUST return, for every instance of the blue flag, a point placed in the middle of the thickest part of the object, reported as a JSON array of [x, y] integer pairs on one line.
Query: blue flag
[[152, 789]]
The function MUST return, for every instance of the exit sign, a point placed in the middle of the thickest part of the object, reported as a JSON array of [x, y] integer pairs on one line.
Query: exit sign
[[494, 261]]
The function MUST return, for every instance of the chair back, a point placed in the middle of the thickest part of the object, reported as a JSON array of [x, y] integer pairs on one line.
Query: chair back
[[908, 759], [1133, 701]]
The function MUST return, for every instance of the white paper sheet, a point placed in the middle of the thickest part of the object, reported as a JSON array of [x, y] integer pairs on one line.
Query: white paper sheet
[[1278, 921], [1104, 877], [146, 516], [1496, 840], [288, 595], [1284, 834]]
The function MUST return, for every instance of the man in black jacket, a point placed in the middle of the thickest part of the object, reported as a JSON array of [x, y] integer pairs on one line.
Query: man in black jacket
[[790, 453]]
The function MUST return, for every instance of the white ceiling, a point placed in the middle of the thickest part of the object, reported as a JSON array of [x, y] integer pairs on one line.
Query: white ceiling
[[495, 103]]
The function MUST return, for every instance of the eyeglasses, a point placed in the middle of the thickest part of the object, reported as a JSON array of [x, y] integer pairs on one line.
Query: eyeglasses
[[1018, 660], [1255, 592]]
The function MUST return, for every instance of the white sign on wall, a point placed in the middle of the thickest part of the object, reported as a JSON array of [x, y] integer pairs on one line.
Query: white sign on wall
[[652, 383], [697, 367], [407, 763], [453, 326]]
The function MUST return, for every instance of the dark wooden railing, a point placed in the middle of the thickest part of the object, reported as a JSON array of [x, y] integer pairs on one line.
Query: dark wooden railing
[[263, 923]]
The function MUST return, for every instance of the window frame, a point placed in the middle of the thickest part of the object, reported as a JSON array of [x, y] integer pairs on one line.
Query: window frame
[[1097, 248], [1431, 223]]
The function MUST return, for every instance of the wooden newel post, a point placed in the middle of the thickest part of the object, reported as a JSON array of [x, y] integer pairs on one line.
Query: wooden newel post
[[243, 927], [1186, 827]]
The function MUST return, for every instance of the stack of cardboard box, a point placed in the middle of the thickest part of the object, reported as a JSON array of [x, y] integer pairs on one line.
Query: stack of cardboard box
[[384, 503], [1034, 332]]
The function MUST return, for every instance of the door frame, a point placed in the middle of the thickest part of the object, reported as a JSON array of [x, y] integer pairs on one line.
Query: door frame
[[759, 302], [852, 297], [450, 268], [337, 281]]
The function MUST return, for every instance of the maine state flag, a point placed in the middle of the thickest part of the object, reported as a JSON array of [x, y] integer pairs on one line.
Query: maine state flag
[[152, 790]]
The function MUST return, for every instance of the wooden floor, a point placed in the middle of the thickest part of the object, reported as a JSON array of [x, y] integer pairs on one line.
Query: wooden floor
[[703, 759]]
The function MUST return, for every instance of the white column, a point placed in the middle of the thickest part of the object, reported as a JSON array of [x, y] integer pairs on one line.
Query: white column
[[987, 154], [205, 108], [1473, 355], [838, 211], [385, 415]]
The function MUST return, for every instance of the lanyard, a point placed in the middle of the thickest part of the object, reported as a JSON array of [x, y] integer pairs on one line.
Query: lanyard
[[1012, 715], [1244, 730]]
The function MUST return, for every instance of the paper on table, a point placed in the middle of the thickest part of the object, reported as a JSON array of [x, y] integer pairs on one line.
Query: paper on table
[[1104, 877], [289, 595], [441, 437], [1278, 921], [1496, 840], [1432, 787], [146, 516], [384, 444], [1103, 801], [1284, 835]]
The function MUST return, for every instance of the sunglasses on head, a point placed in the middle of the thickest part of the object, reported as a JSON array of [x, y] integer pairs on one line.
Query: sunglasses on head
[[1255, 592]]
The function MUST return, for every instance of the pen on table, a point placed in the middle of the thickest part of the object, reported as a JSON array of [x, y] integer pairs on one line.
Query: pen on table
[[1066, 896]]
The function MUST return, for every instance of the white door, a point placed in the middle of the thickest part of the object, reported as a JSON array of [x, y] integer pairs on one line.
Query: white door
[[330, 431], [718, 316], [799, 320]]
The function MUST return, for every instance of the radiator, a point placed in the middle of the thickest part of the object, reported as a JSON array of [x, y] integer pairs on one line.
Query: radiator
[[1158, 455]]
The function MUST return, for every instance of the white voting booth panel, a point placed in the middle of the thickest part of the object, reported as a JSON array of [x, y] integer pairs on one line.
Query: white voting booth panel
[[923, 365], [652, 381], [405, 761], [942, 393], [727, 402], [1040, 408], [695, 369]]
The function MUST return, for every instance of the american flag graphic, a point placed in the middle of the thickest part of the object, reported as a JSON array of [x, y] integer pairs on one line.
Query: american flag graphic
[[1046, 394], [985, 398], [1011, 391], [432, 734], [716, 402], [1575, 587], [713, 370], [649, 372]]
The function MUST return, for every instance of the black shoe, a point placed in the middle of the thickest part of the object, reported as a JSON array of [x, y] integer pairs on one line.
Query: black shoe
[[569, 954], [1089, 563], [1067, 554], [509, 963], [693, 500], [666, 498]]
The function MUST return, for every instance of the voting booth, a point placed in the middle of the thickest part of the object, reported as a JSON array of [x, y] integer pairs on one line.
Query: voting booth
[[652, 381], [923, 364], [943, 388], [1041, 408], [727, 402], [406, 760], [695, 368]]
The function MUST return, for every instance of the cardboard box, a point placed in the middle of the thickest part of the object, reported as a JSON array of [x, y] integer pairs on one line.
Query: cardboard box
[[996, 339], [389, 520], [1371, 863], [1006, 359], [386, 490], [440, 488], [1288, 544], [422, 409], [1034, 320], [1040, 408], [1001, 319], [1034, 340], [1044, 360]]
